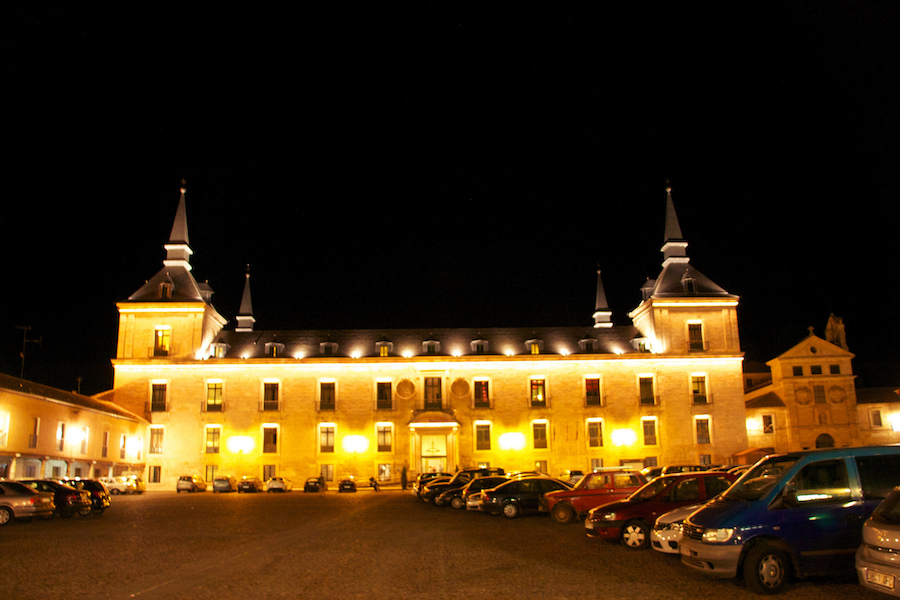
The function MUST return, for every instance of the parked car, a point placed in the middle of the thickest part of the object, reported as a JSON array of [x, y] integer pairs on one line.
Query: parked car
[[190, 483], [794, 514], [315, 484], [473, 501], [666, 533], [456, 497], [279, 484], [878, 557], [346, 484], [98, 493], [519, 496], [139, 486], [592, 490], [631, 520], [23, 502], [249, 485], [425, 478], [118, 485], [224, 484], [433, 490], [67, 499]]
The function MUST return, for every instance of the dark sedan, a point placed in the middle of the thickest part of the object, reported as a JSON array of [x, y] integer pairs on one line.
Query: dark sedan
[[68, 500], [98, 493], [347, 484], [315, 484], [520, 496], [631, 520], [250, 484]]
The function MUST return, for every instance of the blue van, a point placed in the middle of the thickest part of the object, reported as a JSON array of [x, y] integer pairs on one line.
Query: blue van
[[793, 514]]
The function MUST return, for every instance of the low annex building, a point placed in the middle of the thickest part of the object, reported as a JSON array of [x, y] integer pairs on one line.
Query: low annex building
[[666, 388], [46, 432]]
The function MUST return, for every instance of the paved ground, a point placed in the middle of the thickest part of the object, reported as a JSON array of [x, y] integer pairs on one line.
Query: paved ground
[[367, 545]]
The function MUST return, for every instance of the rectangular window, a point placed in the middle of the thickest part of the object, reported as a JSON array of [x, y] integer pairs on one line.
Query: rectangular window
[[270, 395], [481, 395], [768, 423], [815, 370], [155, 474], [158, 398], [156, 440], [384, 396], [214, 396], [61, 437], [83, 437], [482, 436], [327, 472], [326, 438], [269, 471], [538, 393], [270, 439], [162, 341], [122, 442], [104, 450], [595, 433], [819, 394], [384, 437], [648, 426], [647, 395], [876, 418], [433, 393], [35, 430], [797, 371], [698, 389], [592, 391], [326, 395], [212, 439], [834, 369], [539, 434], [701, 428], [695, 337], [211, 472]]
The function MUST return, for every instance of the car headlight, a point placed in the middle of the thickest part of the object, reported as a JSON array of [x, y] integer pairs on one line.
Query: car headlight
[[610, 516], [717, 536]]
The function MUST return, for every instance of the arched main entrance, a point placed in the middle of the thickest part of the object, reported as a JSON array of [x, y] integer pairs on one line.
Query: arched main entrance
[[824, 441]]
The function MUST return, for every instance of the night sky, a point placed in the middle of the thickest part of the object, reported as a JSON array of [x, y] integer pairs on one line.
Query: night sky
[[384, 165]]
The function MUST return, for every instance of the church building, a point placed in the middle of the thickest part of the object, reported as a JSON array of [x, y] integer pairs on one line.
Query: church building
[[229, 398]]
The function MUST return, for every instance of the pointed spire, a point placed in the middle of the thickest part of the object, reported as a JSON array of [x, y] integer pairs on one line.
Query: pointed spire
[[674, 244], [178, 250], [245, 318], [602, 314]]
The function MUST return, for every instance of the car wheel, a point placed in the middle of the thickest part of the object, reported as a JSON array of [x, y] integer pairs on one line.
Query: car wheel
[[84, 511], [457, 502], [766, 569], [510, 510], [563, 513], [65, 514], [636, 535], [114, 492]]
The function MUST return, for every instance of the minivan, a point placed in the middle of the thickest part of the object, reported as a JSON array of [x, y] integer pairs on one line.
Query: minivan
[[793, 514]]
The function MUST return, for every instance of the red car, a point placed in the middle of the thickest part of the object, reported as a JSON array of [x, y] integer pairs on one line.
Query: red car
[[592, 490], [631, 520]]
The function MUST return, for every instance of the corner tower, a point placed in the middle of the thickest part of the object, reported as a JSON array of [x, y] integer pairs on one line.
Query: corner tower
[[682, 311], [170, 316]]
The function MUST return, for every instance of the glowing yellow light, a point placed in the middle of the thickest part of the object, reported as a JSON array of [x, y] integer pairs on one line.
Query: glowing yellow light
[[356, 354], [895, 422], [624, 437], [240, 444], [564, 351], [754, 425], [355, 443], [407, 354], [133, 445], [512, 441]]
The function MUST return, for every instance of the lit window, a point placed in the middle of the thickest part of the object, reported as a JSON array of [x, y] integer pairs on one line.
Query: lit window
[[482, 436], [648, 427], [384, 437], [156, 440], [326, 438], [595, 433], [162, 341], [214, 396], [592, 391], [698, 389], [538, 393], [481, 394], [433, 393], [431, 347], [213, 437]]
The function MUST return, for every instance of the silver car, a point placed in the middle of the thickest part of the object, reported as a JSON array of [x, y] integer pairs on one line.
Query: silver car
[[666, 533], [878, 558], [22, 502]]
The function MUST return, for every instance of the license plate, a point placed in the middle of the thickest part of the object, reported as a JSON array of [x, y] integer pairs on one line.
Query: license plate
[[878, 578]]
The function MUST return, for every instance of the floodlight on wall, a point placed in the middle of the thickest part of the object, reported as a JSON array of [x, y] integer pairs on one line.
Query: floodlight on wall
[[512, 441], [355, 444], [624, 437]]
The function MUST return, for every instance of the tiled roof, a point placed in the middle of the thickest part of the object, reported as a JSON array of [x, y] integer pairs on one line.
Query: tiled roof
[[22, 386], [879, 395]]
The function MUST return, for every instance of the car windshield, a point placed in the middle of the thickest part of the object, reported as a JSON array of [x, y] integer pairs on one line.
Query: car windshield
[[650, 490], [760, 479]]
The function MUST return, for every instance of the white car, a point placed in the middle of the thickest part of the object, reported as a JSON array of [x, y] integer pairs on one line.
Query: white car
[[278, 484], [473, 502], [119, 485], [666, 533], [878, 558]]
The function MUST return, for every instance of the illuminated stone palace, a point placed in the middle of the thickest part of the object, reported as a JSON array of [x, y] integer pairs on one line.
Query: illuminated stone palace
[[235, 400]]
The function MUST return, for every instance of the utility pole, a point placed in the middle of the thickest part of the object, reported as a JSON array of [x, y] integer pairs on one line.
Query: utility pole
[[25, 329]]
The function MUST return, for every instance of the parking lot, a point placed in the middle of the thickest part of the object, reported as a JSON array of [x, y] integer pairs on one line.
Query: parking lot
[[163, 545]]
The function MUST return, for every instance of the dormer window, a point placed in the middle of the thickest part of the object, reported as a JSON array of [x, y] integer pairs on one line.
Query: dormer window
[[166, 289], [328, 349], [588, 345], [431, 347], [479, 346], [534, 346], [384, 348], [274, 349], [219, 350], [689, 284]]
